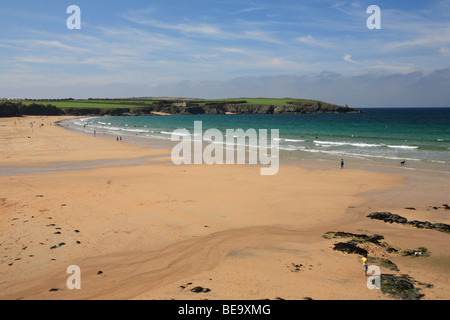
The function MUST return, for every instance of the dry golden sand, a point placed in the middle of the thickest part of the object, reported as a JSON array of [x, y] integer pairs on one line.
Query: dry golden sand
[[157, 230]]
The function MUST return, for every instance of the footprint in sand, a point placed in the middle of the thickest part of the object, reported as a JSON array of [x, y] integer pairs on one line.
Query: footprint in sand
[[297, 267], [185, 286]]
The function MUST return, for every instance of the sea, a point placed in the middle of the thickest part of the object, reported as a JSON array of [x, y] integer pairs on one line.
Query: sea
[[419, 137]]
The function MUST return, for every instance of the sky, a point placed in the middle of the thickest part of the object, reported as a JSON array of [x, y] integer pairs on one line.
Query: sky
[[316, 49]]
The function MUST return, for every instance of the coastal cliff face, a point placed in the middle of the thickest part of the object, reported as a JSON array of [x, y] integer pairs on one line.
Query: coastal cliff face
[[291, 109], [226, 108]]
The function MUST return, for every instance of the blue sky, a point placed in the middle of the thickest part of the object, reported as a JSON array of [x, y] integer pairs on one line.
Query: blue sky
[[318, 49]]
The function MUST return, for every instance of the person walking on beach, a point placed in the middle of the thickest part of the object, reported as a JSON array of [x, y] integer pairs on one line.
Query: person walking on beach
[[342, 163], [364, 262]]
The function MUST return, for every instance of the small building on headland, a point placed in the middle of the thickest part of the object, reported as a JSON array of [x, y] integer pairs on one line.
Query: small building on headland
[[183, 104]]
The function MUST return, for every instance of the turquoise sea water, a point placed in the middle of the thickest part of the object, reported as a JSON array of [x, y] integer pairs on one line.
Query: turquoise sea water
[[419, 136]]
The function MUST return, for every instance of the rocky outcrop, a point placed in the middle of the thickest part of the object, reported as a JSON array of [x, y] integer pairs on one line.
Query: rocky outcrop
[[395, 218], [242, 107], [351, 248], [400, 287], [271, 109]]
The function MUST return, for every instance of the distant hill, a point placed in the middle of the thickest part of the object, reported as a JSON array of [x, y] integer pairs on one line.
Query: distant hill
[[152, 106]]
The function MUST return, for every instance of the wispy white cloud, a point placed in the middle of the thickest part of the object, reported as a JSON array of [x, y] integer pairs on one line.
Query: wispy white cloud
[[233, 50], [51, 43], [402, 69], [445, 51], [310, 40], [341, 6], [348, 58], [185, 28], [232, 30], [38, 43], [251, 9], [427, 38]]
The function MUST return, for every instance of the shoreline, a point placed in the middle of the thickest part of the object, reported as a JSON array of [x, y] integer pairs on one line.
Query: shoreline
[[165, 221], [312, 163], [153, 137]]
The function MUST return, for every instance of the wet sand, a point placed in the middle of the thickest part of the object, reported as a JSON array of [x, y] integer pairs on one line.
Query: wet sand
[[156, 231]]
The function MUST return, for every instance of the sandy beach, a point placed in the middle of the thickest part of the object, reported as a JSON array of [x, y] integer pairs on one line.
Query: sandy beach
[[140, 227]]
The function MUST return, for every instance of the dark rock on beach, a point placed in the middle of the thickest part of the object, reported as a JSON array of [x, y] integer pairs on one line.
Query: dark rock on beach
[[387, 217], [421, 224], [395, 218], [383, 262], [355, 238], [350, 248], [391, 250], [400, 287], [442, 227], [200, 290]]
